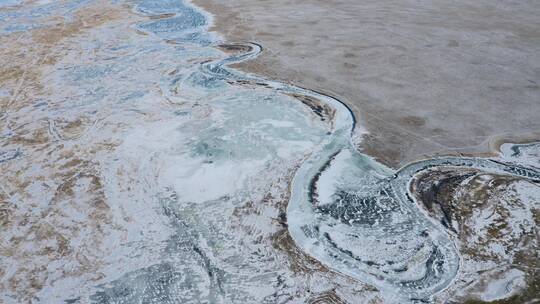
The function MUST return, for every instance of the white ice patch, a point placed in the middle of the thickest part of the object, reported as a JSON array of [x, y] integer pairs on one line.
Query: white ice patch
[[195, 181], [278, 123], [326, 185], [505, 286], [526, 154]]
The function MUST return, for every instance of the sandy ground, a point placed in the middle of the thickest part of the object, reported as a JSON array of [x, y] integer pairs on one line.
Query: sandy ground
[[424, 78]]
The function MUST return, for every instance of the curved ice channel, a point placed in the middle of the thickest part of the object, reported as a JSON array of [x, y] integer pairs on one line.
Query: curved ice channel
[[359, 218], [346, 210]]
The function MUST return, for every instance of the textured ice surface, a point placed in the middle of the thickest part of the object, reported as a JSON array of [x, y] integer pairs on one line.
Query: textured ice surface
[[360, 218], [35, 15], [183, 23], [9, 2], [527, 154], [364, 225]]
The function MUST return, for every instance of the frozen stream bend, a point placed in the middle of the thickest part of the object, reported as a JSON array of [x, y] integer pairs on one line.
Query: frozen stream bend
[[178, 155], [357, 217]]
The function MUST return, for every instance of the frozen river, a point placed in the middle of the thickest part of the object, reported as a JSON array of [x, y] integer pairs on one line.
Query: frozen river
[[152, 172]]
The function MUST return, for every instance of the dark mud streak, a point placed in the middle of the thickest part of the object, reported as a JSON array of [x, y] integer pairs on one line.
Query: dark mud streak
[[436, 193], [187, 237], [313, 183], [351, 113], [348, 252]]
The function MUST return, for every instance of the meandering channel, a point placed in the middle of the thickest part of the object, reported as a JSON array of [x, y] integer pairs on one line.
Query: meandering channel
[[367, 226], [355, 215]]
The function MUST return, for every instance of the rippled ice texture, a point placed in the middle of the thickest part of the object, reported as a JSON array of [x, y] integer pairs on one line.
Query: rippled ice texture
[[356, 220]]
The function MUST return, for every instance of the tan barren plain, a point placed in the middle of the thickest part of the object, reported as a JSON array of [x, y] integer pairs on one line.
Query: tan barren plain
[[424, 78]]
